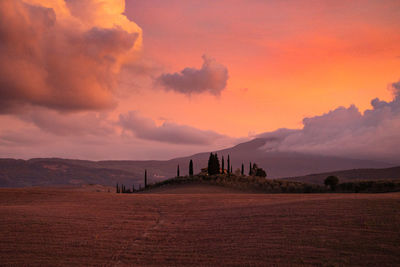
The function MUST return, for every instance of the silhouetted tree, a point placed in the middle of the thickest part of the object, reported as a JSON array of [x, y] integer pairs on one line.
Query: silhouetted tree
[[254, 168], [117, 188], [133, 188], [250, 169], [242, 172], [216, 162], [331, 181], [223, 165], [229, 165], [261, 173], [210, 164], [191, 168], [213, 164], [255, 171], [177, 171], [145, 178]]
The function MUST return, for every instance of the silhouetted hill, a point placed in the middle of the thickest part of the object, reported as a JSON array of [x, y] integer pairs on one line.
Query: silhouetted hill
[[350, 175], [56, 171], [279, 164], [44, 172]]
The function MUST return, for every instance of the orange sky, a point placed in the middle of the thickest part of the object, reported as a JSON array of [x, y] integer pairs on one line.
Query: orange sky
[[148, 79], [285, 60]]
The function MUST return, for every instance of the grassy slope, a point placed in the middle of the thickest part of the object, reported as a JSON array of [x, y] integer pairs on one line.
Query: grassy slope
[[262, 185]]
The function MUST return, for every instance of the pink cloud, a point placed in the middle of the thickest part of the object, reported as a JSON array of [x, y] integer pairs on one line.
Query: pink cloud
[[168, 132], [212, 77], [51, 58]]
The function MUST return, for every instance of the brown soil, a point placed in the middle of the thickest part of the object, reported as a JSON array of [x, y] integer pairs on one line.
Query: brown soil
[[194, 188], [67, 227]]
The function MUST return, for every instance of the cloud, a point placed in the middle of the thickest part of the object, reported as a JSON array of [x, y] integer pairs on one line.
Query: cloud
[[168, 132], [75, 124], [63, 55], [211, 78], [347, 132], [86, 135]]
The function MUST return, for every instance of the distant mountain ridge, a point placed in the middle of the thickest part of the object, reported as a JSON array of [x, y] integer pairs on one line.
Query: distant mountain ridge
[[56, 171]]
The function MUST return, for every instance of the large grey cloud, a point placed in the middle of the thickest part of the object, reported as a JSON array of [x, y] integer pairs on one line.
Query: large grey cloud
[[212, 77], [374, 134], [52, 57], [168, 132]]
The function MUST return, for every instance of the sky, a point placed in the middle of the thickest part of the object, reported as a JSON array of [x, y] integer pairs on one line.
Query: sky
[[157, 79]]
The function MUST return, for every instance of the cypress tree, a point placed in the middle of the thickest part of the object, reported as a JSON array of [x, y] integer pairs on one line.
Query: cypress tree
[[222, 164], [213, 164], [210, 164], [117, 187], [191, 168], [216, 162], [242, 172], [177, 171], [145, 178], [250, 169], [229, 165]]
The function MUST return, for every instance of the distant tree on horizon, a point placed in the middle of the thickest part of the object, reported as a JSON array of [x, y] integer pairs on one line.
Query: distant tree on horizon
[[145, 178], [229, 165], [177, 171], [213, 164], [261, 173], [256, 171], [223, 165], [242, 172], [331, 181], [191, 168], [117, 189]]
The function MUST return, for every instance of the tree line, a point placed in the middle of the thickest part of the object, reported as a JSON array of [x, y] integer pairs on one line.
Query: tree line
[[214, 167]]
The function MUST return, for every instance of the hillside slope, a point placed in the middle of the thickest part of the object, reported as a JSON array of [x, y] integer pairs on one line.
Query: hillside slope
[[55, 171], [280, 164], [350, 175], [45, 172]]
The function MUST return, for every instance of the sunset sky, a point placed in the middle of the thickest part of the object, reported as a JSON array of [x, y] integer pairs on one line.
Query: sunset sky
[[156, 79]]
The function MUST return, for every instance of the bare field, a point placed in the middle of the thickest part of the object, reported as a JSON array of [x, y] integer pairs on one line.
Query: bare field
[[55, 227]]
